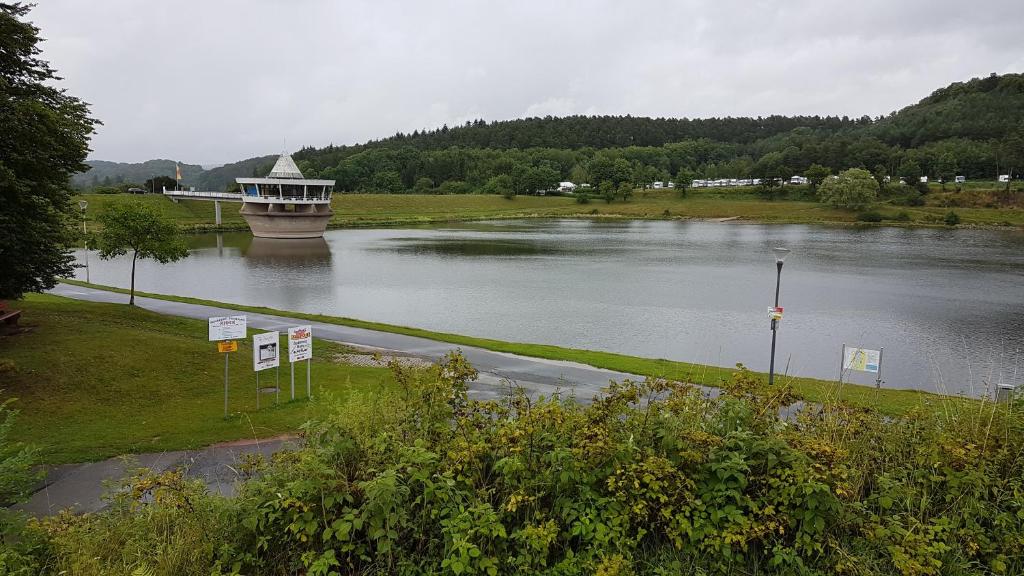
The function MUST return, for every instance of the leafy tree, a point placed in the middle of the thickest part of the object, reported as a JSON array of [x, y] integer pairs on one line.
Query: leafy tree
[[158, 183], [579, 174], [684, 179], [501, 184], [853, 189], [134, 227], [769, 169], [625, 191], [601, 168], [622, 171], [387, 182], [607, 191], [815, 174], [423, 185], [880, 175], [946, 168], [44, 137], [545, 178], [1011, 153], [910, 171], [454, 187]]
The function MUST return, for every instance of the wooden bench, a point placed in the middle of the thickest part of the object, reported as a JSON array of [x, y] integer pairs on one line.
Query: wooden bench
[[9, 317]]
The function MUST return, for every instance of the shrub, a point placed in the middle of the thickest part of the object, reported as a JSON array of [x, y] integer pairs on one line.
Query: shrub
[[952, 219], [853, 189], [653, 477], [902, 216], [582, 199]]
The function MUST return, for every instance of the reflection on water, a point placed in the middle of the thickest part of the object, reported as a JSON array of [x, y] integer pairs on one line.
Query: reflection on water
[[947, 305], [288, 253]]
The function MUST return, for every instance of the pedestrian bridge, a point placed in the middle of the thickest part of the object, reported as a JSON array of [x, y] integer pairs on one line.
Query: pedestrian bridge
[[215, 197], [203, 195]]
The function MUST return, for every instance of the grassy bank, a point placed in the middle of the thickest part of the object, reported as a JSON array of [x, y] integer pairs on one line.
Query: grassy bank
[[888, 401], [95, 380], [360, 210]]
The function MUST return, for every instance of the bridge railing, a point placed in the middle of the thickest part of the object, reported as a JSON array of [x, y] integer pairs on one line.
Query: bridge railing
[[203, 194]]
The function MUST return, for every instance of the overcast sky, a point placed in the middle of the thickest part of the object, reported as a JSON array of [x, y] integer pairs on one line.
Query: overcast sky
[[217, 81]]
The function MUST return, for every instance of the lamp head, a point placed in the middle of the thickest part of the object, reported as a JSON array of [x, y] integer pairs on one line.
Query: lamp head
[[780, 254], [83, 205]]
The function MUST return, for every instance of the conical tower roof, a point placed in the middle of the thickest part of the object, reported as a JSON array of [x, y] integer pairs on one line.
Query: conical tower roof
[[285, 168]]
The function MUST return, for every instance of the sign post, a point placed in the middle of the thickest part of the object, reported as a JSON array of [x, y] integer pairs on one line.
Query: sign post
[[862, 360], [225, 330], [300, 347], [265, 355]]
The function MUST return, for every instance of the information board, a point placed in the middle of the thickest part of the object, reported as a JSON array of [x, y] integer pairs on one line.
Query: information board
[[265, 351], [227, 328], [861, 359], [300, 343]]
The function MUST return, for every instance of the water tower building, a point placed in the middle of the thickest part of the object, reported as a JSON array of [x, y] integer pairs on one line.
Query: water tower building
[[285, 204]]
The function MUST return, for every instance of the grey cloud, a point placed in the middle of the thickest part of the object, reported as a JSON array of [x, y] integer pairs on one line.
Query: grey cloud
[[219, 81]]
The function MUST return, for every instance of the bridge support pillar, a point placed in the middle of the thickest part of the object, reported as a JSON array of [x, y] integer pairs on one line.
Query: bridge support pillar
[[216, 211]]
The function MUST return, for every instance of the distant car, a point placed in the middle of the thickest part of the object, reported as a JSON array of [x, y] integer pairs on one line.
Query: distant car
[[960, 179], [1004, 177], [136, 191]]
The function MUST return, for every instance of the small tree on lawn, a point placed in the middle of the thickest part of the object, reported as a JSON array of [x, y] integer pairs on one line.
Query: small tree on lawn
[[625, 190], [855, 189], [684, 178], [815, 175], [607, 191], [141, 230]]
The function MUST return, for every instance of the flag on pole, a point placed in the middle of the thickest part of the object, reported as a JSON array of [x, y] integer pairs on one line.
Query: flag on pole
[[177, 171]]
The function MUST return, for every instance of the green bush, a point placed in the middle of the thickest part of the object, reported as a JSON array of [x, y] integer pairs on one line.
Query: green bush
[[869, 216], [651, 478], [854, 189], [902, 216], [952, 219]]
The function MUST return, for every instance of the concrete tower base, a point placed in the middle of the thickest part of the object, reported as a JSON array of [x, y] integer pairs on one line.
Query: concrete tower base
[[276, 221]]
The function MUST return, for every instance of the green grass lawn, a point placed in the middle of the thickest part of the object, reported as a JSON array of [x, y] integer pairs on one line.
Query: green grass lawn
[[888, 401], [357, 210], [94, 380]]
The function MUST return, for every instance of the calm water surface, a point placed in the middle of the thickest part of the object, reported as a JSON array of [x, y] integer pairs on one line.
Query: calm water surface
[[947, 305]]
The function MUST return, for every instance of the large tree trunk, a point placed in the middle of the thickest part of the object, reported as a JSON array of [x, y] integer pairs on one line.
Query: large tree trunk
[[131, 297]]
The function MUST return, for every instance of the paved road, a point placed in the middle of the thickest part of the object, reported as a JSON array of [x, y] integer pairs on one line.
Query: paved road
[[536, 375], [81, 487]]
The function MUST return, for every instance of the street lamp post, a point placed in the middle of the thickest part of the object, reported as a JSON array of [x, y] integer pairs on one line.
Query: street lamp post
[[780, 256], [85, 232]]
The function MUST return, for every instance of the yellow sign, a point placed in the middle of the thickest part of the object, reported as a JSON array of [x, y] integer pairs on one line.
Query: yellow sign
[[227, 346]]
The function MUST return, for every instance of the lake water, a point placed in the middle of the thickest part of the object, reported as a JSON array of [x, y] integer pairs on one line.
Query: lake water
[[946, 305]]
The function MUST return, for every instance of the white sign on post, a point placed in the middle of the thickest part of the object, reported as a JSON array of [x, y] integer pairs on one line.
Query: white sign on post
[[861, 359], [264, 351], [227, 328], [300, 343]]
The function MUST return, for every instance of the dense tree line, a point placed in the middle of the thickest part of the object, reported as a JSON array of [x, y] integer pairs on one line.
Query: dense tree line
[[456, 169], [974, 129]]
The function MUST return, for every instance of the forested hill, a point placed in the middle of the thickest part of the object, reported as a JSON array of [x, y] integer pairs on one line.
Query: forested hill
[[223, 176], [572, 132], [104, 173], [979, 109], [973, 128]]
